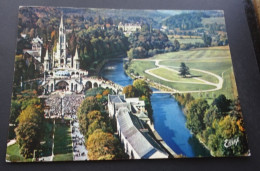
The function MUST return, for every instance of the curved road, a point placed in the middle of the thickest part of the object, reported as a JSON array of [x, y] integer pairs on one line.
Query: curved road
[[217, 85]]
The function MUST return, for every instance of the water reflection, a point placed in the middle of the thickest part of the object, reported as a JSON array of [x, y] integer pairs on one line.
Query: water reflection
[[169, 120]]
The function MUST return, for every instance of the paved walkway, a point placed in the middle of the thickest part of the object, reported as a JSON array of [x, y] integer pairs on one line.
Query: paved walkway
[[11, 142], [217, 85], [80, 152]]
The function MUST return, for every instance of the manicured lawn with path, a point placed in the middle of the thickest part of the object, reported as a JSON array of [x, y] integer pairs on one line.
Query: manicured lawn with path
[[62, 142]]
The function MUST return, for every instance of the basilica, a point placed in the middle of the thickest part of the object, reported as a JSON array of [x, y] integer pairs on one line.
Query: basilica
[[61, 71]]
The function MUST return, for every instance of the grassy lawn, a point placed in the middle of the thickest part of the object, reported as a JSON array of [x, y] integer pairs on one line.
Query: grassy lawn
[[47, 138], [13, 154], [229, 88], [215, 65], [62, 142], [171, 75], [212, 20], [188, 40], [196, 53], [140, 66], [214, 59], [204, 76], [13, 151], [191, 87]]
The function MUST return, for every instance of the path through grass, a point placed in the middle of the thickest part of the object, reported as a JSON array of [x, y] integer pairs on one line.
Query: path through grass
[[62, 142]]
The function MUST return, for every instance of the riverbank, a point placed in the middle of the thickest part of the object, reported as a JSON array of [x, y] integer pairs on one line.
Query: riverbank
[[103, 62], [168, 118], [152, 84], [162, 143], [198, 137]]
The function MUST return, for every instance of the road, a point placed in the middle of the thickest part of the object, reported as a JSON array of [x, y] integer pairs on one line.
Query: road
[[173, 69]]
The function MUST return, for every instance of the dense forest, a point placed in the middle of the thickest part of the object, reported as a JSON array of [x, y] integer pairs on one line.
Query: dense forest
[[96, 44], [218, 125], [146, 43], [186, 21], [98, 128]]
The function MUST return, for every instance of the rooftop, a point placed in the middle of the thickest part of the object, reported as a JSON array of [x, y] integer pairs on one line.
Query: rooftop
[[129, 126]]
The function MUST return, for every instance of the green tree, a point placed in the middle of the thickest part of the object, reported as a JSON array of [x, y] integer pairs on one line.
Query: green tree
[[232, 140], [98, 124], [28, 131], [15, 111], [142, 88], [130, 91], [222, 103], [195, 115], [207, 40], [176, 45], [184, 70], [102, 145], [94, 115], [211, 114]]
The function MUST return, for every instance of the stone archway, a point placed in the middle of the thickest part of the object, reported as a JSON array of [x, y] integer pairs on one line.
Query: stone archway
[[88, 85], [62, 85], [95, 85]]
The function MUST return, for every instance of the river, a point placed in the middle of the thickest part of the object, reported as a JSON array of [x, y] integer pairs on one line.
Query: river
[[169, 120]]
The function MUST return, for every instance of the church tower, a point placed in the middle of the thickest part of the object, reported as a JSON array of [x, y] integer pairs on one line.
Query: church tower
[[46, 61], [76, 60], [61, 46]]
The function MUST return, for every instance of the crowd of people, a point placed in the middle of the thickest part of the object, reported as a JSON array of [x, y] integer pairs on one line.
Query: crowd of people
[[53, 104], [78, 141], [58, 106], [70, 104]]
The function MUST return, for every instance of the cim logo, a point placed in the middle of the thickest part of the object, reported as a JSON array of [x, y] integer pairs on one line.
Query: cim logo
[[230, 142]]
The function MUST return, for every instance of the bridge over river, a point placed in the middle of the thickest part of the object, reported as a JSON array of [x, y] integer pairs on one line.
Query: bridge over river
[[164, 92]]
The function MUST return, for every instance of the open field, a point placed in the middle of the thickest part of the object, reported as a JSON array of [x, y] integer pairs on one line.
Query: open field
[[204, 76], [183, 36], [217, 66], [13, 154], [209, 65], [212, 20], [62, 142], [195, 54], [13, 151], [173, 76], [47, 138], [188, 40], [141, 66]]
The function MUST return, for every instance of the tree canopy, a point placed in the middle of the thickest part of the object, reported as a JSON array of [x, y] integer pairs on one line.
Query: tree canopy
[[184, 70], [103, 146], [28, 131], [219, 125]]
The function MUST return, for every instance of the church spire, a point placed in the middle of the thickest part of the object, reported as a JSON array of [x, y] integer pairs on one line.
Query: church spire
[[46, 55], [61, 21], [76, 60], [46, 61], [76, 57]]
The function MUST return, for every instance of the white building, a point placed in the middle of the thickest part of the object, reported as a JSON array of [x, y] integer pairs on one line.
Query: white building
[[36, 51], [128, 28], [60, 71], [130, 114]]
